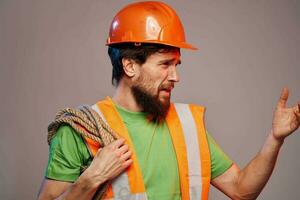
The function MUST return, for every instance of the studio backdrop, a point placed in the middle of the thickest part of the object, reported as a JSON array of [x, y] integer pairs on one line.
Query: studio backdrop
[[53, 55]]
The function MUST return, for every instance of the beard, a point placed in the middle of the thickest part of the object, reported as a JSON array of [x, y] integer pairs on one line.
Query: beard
[[150, 103]]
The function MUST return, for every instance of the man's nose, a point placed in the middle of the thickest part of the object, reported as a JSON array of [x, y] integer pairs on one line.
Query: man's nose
[[173, 74]]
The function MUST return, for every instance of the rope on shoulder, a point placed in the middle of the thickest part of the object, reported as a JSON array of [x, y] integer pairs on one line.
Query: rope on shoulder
[[86, 122]]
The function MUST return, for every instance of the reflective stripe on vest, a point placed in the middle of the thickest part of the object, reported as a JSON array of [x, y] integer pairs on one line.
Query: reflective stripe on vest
[[190, 136], [186, 125], [120, 186]]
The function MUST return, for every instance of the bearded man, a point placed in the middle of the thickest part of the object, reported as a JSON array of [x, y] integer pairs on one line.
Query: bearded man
[[164, 152]]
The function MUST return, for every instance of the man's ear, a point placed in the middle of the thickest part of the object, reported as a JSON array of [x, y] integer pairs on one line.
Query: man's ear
[[129, 67]]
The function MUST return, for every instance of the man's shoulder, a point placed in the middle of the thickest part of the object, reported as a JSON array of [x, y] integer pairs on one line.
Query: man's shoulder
[[66, 133]]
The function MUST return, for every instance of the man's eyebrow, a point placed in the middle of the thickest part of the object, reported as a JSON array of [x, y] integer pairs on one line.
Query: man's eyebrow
[[169, 61]]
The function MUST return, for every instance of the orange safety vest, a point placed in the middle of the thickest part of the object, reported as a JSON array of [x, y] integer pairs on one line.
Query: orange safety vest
[[187, 130]]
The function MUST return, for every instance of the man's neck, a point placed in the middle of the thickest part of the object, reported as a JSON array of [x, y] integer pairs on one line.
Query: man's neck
[[124, 98]]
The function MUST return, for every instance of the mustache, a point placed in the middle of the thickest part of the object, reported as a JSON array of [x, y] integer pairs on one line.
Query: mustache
[[167, 86]]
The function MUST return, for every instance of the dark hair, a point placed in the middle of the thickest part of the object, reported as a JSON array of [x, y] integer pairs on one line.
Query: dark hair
[[139, 52]]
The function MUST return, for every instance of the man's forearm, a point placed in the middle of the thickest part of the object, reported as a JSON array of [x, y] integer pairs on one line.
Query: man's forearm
[[84, 188], [255, 175]]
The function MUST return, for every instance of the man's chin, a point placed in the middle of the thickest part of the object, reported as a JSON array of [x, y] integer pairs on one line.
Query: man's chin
[[157, 106], [164, 101], [164, 104]]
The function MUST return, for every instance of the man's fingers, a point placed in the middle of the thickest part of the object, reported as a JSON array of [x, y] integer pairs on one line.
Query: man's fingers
[[127, 163], [119, 142], [297, 111], [283, 98], [126, 155], [123, 149], [298, 117]]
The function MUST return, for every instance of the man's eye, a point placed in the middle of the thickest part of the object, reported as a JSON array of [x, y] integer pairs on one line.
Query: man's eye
[[165, 64]]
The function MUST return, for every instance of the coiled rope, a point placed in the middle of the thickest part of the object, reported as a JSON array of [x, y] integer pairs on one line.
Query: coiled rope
[[87, 122]]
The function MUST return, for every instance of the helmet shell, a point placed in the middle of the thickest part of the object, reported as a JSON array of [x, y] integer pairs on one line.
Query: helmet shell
[[148, 22]]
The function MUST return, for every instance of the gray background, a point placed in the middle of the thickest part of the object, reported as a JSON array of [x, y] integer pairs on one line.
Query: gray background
[[52, 55]]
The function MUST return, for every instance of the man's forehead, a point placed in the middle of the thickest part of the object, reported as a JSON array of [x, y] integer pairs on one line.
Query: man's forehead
[[171, 56]]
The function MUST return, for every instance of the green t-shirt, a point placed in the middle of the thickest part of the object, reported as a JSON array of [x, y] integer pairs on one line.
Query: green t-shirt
[[153, 147]]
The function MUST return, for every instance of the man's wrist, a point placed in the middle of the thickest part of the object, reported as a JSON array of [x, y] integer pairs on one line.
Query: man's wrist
[[89, 181], [275, 141]]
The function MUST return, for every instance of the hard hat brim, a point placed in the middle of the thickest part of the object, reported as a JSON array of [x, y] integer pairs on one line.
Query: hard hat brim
[[181, 45]]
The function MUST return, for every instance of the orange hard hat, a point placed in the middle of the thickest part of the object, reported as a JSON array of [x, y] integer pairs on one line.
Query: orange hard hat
[[148, 22]]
